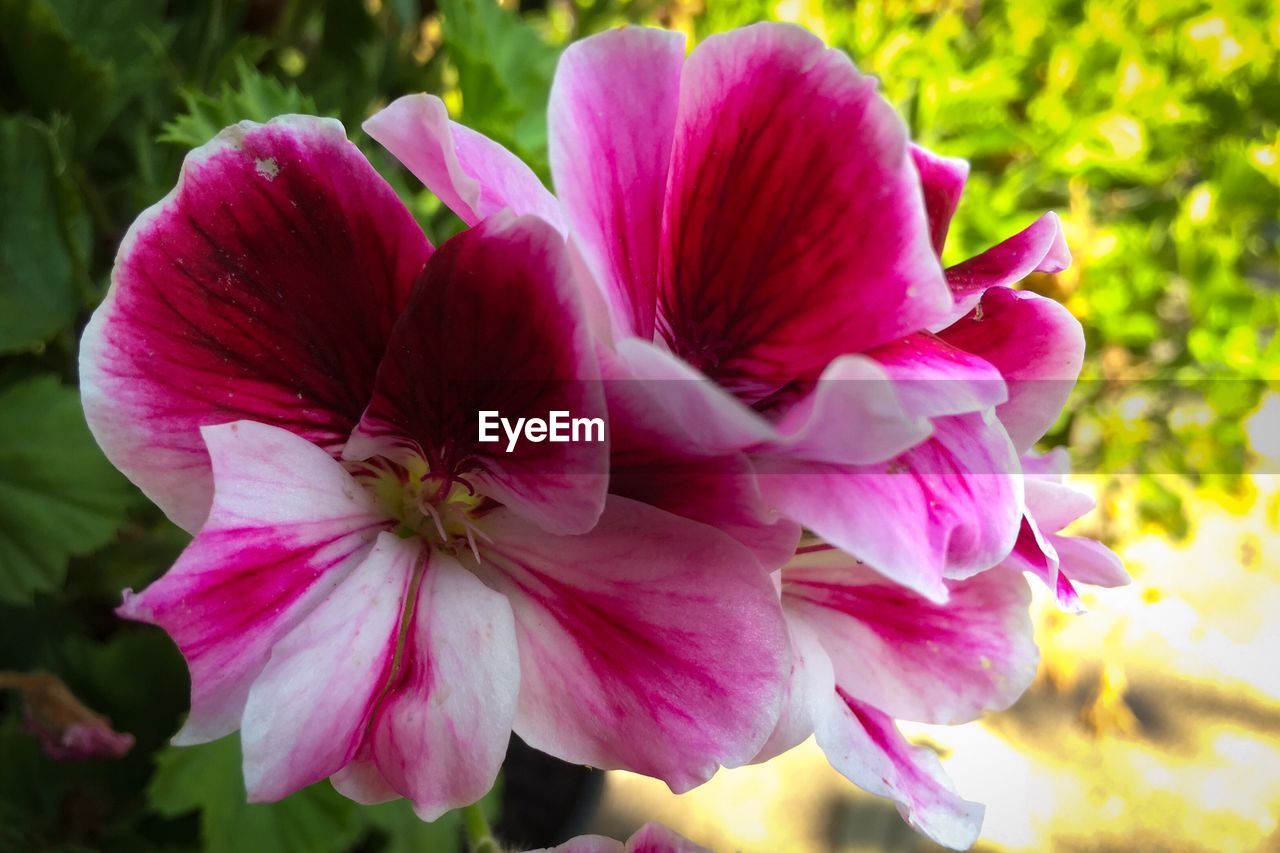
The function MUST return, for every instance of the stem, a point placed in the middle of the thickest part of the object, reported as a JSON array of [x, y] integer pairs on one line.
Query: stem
[[479, 836]]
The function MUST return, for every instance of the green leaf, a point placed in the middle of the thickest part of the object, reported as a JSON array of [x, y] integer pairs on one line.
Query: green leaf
[[254, 96], [59, 496], [504, 73], [42, 237], [44, 71], [208, 779]]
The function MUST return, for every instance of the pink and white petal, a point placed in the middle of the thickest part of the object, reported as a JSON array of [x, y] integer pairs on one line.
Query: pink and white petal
[[867, 748], [1052, 465], [908, 656], [1037, 346], [1089, 561], [661, 401], [718, 491], [475, 176], [308, 710], [653, 837], [585, 844], [611, 122], [288, 524], [948, 508], [1033, 553], [263, 287], [853, 415], [1040, 247], [933, 378], [942, 179], [1054, 504], [794, 227], [811, 683], [361, 781], [646, 625], [440, 733], [494, 324]]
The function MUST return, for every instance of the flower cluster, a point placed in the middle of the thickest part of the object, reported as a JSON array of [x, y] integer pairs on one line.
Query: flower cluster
[[817, 499]]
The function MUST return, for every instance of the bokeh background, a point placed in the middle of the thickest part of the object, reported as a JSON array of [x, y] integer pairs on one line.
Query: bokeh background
[[1151, 126]]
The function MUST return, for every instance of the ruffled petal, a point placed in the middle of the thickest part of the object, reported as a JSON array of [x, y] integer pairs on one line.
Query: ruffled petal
[[933, 378], [440, 733], [264, 287], [1037, 346], [611, 122], [947, 508], [495, 325], [475, 176], [795, 228], [942, 179], [288, 524], [308, 710], [910, 657], [867, 748], [647, 625], [1040, 247], [655, 838], [854, 414]]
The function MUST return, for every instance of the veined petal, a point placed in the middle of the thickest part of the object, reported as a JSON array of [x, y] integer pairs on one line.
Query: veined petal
[[647, 625], [655, 838], [495, 325], [288, 524], [794, 227], [308, 710], [948, 508], [1040, 247], [942, 179], [1037, 346], [910, 657], [867, 748], [475, 176], [439, 734], [264, 287], [611, 122]]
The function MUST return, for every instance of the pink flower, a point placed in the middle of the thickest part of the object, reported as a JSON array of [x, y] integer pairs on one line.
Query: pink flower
[[66, 728], [650, 838], [286, 366], [1060, 561], [866, 651], [764, 256]]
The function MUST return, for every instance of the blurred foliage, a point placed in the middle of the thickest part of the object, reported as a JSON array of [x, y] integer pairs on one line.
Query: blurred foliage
[[1150, 125]]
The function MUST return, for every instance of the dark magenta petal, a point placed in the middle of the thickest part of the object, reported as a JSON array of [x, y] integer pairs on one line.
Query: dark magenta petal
[[1040, 247], [495, 324], [1037, 346], [942, 180], [264, 287], [795, 229]]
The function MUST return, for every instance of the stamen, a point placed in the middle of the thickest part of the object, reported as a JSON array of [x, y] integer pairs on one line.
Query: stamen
[[435, 516]]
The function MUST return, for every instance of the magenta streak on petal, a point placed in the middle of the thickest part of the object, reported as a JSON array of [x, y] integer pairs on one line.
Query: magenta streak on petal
[[794, 226], [265, 287], [911, 657]]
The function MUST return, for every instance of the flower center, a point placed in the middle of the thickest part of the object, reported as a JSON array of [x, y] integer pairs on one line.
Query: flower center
[[441, 508]]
